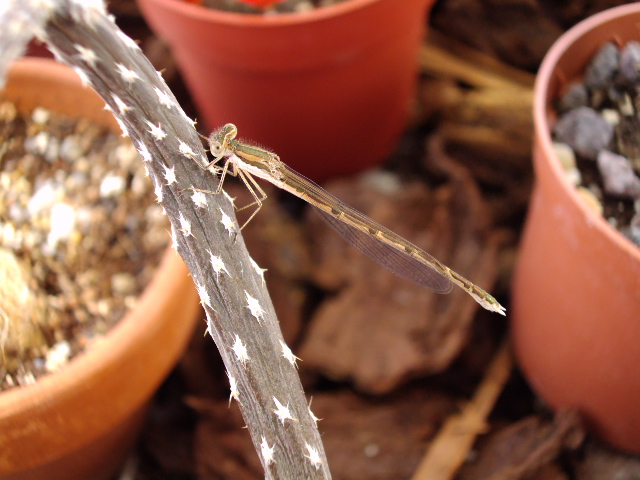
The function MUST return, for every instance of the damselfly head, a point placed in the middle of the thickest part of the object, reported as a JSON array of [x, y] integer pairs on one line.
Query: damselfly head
[[219, 140]]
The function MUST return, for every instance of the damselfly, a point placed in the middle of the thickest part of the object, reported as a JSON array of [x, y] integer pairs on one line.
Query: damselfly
[[372, 239]]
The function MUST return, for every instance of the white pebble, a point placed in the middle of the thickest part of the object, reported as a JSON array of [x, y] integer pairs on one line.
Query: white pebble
[[590, 199], [126, 155], [71, 149], [40, 115], [62, 221], [84, 218], [565, 154], [112, 185], [57, 356], [43, 198], [574, 176], [123, 283], [626, 106], [17, 213], [139, 185], [53, 150], [37, 144], [611, 116], [8, 236]]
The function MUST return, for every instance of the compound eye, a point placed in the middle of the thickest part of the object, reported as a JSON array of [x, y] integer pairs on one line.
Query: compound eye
[[216, 149]]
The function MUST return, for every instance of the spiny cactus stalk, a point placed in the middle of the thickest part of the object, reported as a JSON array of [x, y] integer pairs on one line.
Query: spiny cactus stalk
[[240, 316]]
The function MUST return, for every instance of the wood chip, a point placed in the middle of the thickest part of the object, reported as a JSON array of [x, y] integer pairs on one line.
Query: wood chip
[[377, 330]]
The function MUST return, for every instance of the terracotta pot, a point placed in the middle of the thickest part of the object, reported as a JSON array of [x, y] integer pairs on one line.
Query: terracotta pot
[[81, 422], [329, 91], [576, 293]]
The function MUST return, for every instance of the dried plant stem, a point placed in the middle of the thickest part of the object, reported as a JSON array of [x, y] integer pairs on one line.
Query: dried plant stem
[[452, 444], [483, 105], [240, 315]]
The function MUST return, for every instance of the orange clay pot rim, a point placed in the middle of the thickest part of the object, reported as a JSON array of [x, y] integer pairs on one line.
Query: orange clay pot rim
[[547, 70], [201, 13]]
